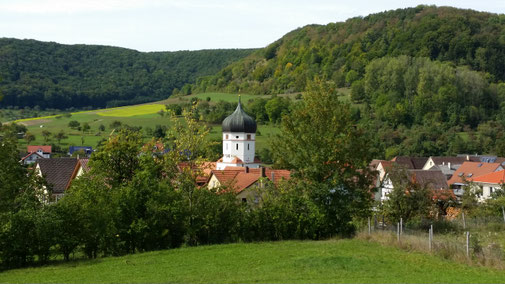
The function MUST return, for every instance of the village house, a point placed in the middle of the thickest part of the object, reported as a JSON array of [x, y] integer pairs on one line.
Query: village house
[[433, 179], [59, 173], [83, 151], [243, 180], [35, 152], [467, 172], [489, 184]]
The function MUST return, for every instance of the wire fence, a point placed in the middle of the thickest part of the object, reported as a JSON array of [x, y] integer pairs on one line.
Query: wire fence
[[473, 240]]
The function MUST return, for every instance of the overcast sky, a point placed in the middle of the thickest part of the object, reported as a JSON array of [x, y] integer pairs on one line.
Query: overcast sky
[[156, 25]]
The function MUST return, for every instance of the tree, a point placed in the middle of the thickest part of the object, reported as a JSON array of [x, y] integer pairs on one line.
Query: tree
[[115, 124], [101, 127], [74, 124], [60, 136], [85, 127], [320, 142], [118, 159], [46, 134], [408, 199], [29, 137]]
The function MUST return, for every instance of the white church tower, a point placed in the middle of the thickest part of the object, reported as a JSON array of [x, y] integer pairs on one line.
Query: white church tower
[[239, 136]]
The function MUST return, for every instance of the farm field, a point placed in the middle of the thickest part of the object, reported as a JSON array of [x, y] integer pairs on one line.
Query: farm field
[[351, 261], [144, 115]]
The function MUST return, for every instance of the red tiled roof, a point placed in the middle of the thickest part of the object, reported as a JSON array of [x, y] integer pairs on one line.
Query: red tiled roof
[[29, 154], [35, 148], [239, 179], [495, 177], [471, 170], [410, 162]]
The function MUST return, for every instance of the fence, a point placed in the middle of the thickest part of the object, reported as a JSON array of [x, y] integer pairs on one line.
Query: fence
[[471, 240]]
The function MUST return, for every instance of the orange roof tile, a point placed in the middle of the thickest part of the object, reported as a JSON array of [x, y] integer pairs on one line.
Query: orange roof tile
[[494, 177], [35, 148], [471, 170], [239, 179]]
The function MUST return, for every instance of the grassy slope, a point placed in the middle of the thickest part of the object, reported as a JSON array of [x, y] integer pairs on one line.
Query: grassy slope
[[290, 261], [137, 115]]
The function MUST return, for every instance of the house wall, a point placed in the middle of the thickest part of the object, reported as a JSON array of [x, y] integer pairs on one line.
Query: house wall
[[213, 182]]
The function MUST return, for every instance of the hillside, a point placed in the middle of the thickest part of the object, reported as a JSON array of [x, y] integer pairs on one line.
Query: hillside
[[342, 261], [341, 51], [51, 75]]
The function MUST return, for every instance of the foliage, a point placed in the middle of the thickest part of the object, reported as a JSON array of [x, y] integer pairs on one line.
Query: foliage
[[408, 199], [341, 51], [51, 75], [320, 142]]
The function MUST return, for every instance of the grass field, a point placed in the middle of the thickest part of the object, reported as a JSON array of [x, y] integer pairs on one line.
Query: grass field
[[144, 115], [335, 261]]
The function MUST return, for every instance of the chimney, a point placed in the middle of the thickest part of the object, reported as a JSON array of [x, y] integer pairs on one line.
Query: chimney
[[449, 165], [246, 169], [468, 157], [263, 172], [273, 176]]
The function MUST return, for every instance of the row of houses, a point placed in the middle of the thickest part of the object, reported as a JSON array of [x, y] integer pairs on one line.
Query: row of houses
[[35, 152], [454, 173]]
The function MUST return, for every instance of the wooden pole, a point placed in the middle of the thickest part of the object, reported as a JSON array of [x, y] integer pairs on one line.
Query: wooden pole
[[429, 238], [398, 231], [467, 244], [431, 232], [383, 222], [464, 222], [401, 226], [369, 227], [503, 212]]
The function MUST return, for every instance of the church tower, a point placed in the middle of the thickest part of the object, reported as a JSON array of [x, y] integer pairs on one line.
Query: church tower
[[239, 136]]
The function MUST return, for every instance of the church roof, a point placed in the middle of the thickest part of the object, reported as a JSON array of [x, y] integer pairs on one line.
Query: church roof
[[239, 121]]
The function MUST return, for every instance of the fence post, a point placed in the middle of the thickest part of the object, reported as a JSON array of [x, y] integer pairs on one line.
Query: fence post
[[398, 231], [431, 227], [383, 222], [467, 244], [369, 227], [503, 212], [464, 222], [401, 226], [429, 238]]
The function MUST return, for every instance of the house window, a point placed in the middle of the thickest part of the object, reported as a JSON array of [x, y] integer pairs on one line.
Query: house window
[[226, 136], [491, 190], [244, 200], [236, 146], [236, 137], [247, 146], [248, 136]]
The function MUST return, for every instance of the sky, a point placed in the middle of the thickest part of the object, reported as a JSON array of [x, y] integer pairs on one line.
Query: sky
[[170, 25]]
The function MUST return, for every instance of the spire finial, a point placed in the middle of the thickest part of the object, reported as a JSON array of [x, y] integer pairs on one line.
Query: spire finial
[[239, 99]]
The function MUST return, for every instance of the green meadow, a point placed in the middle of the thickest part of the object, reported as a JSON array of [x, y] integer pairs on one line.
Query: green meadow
[[145, 115], [332, 261]]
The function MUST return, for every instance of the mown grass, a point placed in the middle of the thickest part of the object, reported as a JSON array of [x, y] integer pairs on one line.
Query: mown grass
[[335, 261]]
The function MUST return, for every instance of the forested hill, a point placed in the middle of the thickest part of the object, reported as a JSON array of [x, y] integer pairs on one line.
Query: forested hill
[[53, 75], [341, 51]]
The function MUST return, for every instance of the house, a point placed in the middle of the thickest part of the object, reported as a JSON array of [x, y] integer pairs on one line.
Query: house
[[243, 180], [412, 163], [433, 179], [489, 183], [467, 172], [85, 150], [44, 150], [31, 158], [60, 172]]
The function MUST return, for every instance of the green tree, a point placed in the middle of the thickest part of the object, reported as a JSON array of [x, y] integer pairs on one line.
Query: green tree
[[46, 134], [408, 199], [60, 136], [29, 137], [320, 142], [74, 124], [85, 127]]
